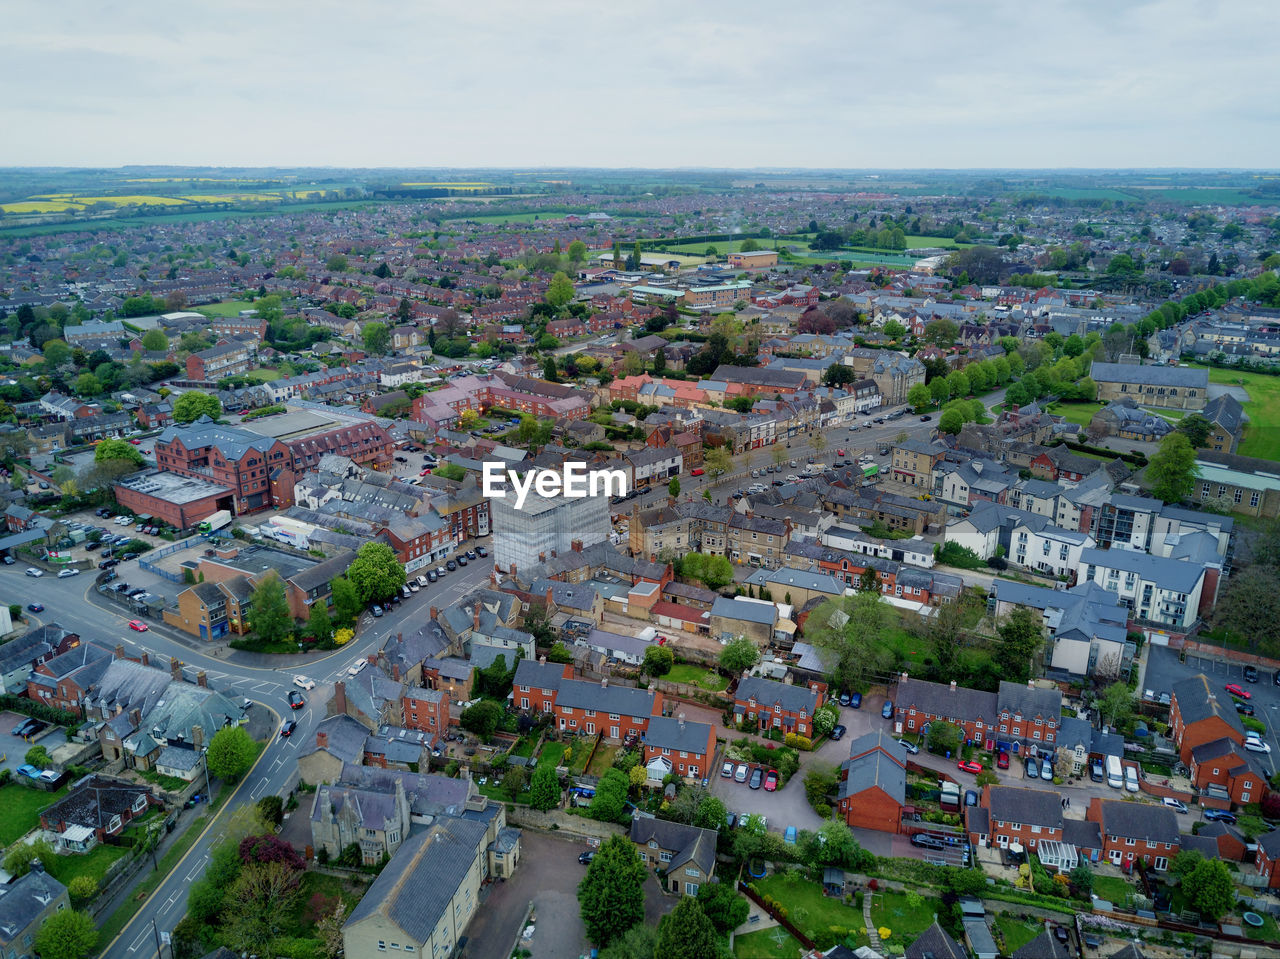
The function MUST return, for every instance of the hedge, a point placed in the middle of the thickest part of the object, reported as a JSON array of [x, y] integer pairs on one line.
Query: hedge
[[47, 714]]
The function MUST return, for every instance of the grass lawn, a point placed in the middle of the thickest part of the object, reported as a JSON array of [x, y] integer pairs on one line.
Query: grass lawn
[[1015, 932], [1078, 413], [603, 759], [772, 943], [1267, 932], [94, 863], [229, 308], [891, 910], [263, 375], [813, 913], [550, 755], [578, 756], [524, 746], [22, 807], [1263, 409], [1112, 888], [318, 895], [697, 676]]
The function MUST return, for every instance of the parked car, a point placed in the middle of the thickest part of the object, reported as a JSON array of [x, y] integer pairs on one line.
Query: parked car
[[22, 727], [1244, 709], [356, 666], [586, 857], [969, 766], [855, 700], [295, 699], [32, 571], [421, 581], [1002, 760], [844, 699], [837, 732], [1046, 768], [451, 566], [757, 777], [790, 835], [69, 571], [1176, 805], [740, 776], [911, 748], [50, 776], [1251, 674], [1220, 815], [35, 729], [302, 682], [138, 626], [431, 576], [108, 563], [481, 551], [726, 770], [1033, 768], [771, 781], [28, 770], [970, 797], [376, 610], [886, 711], [926, 841], [1255, 745], [1235, 689], [1096, 772], [36, 607], [462, 559]]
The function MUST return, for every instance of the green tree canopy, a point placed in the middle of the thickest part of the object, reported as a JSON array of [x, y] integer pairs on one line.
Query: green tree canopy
[[1196, 428], [544, 788], [346, 601], [1172, 471], [1208, 889], [658, 661], [375, 572], [155, 341], [1021, 637], [919, 397], [951, 421], [193, 404], [577, 251], [559, 291], [687, 933], [56, 352], [482, 719], [376, 337], [231, 753], [269, 614], [611, 895], [851, 628], [944, 738], [67, 934], [738, 655], [38, 756], [109, 450]]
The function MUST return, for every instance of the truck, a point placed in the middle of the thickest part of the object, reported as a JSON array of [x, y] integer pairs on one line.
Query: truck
[[215, 522]]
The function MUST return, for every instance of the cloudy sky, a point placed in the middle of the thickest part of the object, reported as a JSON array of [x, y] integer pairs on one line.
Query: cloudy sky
[[518, 83]]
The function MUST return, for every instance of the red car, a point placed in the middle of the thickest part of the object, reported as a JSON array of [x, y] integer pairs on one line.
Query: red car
[[771, 781], [136, 442], [137, 625], [969, 766], [1236, 690], [1002, 760], [839, 452]]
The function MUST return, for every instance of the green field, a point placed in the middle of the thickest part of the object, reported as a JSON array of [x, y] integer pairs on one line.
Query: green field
[[22, 807], [93, 863], [1261, 438], [226, 308], [773, 943], [1227, 196], [1083, 193], [263, 375], [1112, 888]]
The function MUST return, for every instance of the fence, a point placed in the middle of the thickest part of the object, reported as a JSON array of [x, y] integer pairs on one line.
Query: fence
[[146, 560], [782, 920]]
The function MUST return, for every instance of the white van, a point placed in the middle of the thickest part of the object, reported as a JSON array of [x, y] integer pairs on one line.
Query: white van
[[1115, 773], [1130, 779]]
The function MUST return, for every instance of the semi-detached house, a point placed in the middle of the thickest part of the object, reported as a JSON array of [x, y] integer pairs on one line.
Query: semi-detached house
[[616, 712], [1133, 831], [1013, 718], [782, 706]]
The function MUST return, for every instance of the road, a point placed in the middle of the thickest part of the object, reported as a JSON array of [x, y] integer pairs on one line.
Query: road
[[243, 675]]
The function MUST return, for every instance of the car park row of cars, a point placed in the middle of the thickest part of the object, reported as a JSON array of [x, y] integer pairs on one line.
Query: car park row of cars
[[752, 774], [413, 584]]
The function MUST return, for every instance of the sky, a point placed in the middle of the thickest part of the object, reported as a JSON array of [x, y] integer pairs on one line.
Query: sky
[[856, 84]]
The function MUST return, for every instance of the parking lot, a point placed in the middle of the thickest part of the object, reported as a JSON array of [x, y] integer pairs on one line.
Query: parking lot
[[13, 749]]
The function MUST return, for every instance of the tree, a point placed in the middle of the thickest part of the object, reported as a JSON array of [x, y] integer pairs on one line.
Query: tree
[[549, 372], [67, 934], [258, 901], [1171, 474], [514, 781], [482, 719], [38, 756], [87, 385], [944, 738], [1021, 637], [269, 614], [231, 753], [739, 655], [673, 488], [1116, 703], [981, 263], [346, 601], [319, 623], [193, 404], [82, 888], [638, 942], [375, 572], [869, 581], [687, 933], [1196, 428], [919, 397], [56, 352], [611, 895], [20, 856], [544, 788], [717, 460], [658, 661], [1208, 889], [1250, 607], [376, 337], [336, 263], [850, 629], [894, 330], [950, 422], [109, 450], [1082, 879], [271, 809], [559, 291], [610, 800], [577, 251], [155, 341], [942, 332], [711, 812]]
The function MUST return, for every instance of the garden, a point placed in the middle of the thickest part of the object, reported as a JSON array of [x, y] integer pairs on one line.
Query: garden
[[775, 943], [823, 919], [22, 807], [708, 679], [900, 916]]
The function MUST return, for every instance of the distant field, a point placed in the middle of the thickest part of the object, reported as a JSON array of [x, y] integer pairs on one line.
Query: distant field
[[1080, 193], [107, 224], [476, 184], [233, 197], [129, 199], [41, 206], [1261, 434], [507, 217], [227, 308], [1227, 196]]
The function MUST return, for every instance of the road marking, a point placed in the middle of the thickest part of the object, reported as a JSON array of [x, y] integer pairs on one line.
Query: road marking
[[257, 790], [137, 942]]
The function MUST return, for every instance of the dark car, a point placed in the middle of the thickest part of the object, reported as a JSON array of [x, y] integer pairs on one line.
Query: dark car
[[1251, 674], [36, 607], [1096, 772], [108, 563], [22, 727], [91, 546], [970, 797], [462, 559], [472, 554], [757, 778], [837, 732], [886, 711], [288, 728], [128, 556], [926, 841], [295, 699], [855, 700], [431, 576], [586, 857], [1244, 709], [481, 551], [1220, 815], [925, 418], [451, 566]]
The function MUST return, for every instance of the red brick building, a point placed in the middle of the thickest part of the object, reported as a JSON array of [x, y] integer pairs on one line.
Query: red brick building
[[688, 748], [1269, 858], [1132, 831], [781, 706], [873, 783], [105, 806], [1007, 814], [577, 706], [1013, 715], [1200, 713], [426, 709], [1223, 769], [228, 358]]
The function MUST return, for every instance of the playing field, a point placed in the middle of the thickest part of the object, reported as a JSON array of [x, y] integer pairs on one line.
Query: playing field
[[1261, 434]]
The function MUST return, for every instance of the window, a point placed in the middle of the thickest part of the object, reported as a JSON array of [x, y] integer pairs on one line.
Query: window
[[690, 888], [1129, 842], [664, 856], [1253, 499]]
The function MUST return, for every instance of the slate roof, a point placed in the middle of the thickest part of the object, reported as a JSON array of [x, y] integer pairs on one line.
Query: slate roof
[[934, 943], [1033, 807], [941, 700], [428, 794], [1023, 700], [1043, 946], [1183, 377], [25, 898], [768, 693], [415, 887], [623, 700], [94, 801], [1166, 573], [539, 675], [1198, 700], [875, 761], [686, 843], [1129, 820], [764, 614], [346, 739], [668, 733]]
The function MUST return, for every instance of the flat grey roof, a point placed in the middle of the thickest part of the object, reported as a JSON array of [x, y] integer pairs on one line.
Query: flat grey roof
[[171, 487]]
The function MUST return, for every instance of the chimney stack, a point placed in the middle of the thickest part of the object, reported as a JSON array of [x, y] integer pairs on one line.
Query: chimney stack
[[197, 736], [475, 617], [576, 545], [549, 594], [553, 554], [37, 865], [202, 679], [322, 739], [340, 698], [135, 717], [395, 672], [435, 613], [146, 659], [175, 668], [119, 651]]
